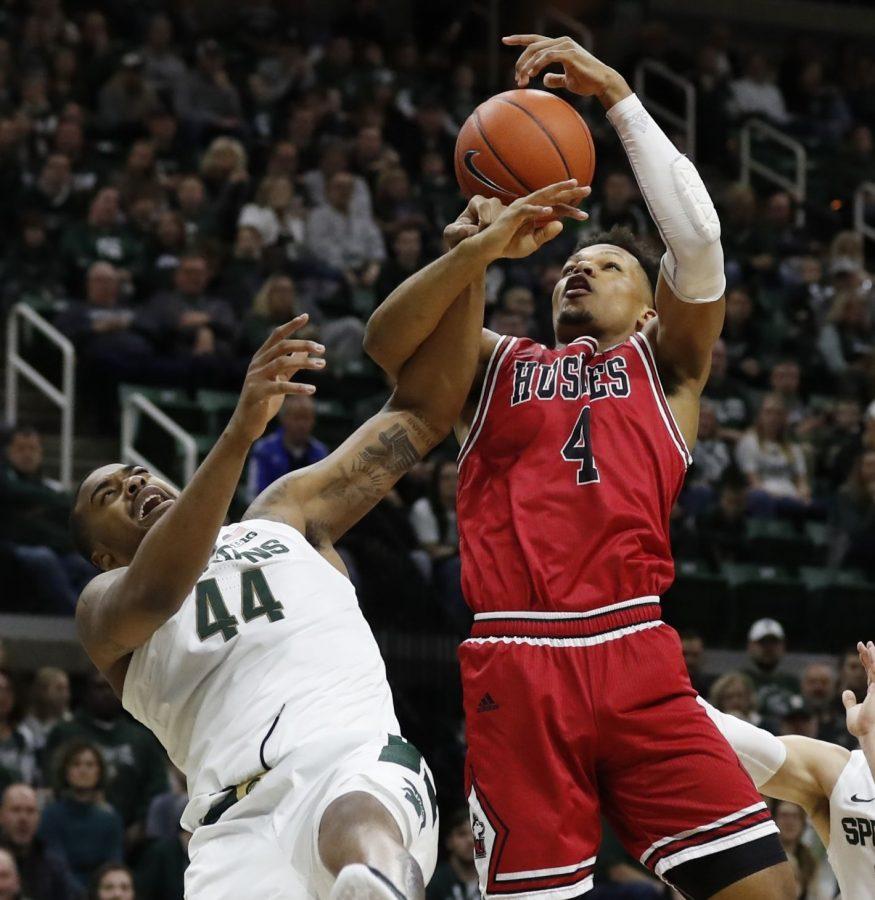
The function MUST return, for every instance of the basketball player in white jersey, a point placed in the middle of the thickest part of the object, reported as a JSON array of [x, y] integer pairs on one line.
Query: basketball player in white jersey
[[242, 647], [835, 786]]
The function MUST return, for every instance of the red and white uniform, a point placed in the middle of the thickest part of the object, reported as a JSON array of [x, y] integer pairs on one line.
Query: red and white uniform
[[577, 699]]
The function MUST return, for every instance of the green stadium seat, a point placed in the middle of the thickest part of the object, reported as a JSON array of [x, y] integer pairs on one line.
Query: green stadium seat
[[767, 590], [699, 600], [842, 605], [779, 543]]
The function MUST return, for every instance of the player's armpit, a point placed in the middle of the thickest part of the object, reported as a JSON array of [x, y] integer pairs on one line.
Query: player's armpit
[[809, 772], [328, 498]]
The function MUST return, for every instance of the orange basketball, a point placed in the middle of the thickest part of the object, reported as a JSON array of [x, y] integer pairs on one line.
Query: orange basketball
[[519, 141]]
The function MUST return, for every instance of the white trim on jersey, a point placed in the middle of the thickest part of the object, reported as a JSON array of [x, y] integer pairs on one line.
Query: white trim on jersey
[[542, 873], [591, 641], [553, 616], [569, 892], [496, 358], [754, 833], [668, 418], [591, 342]]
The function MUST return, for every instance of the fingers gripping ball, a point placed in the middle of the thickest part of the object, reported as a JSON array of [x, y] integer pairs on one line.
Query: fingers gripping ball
[[519, 141]]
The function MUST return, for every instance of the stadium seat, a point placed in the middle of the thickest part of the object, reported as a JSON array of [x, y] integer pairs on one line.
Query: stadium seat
[[842, 604], [693, 601], [776, 542], [767, 590]]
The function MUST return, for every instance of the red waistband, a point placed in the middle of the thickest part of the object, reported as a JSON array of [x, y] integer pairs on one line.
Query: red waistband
[[559, 625]]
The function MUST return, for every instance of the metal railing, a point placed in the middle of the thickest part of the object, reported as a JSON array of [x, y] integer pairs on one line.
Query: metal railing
[[864, 194], [556, 20], [133, 405], [64, 397], [796, 186], [686, 121]]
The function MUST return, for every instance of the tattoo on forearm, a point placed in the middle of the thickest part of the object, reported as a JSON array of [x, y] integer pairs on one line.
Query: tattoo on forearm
[[395, 452]]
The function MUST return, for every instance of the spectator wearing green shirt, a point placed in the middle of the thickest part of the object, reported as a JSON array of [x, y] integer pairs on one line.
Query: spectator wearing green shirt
[[765, 651], [78, 825], [456, 877], [135, 763], [160, 872]]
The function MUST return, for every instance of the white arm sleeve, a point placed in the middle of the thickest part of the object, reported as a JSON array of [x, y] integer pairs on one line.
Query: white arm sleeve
[[678, 202], [760, 752]]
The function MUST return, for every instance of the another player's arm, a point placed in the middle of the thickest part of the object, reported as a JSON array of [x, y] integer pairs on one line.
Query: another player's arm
[[861, 716], [689, 293], [120, 609], [326, 499]]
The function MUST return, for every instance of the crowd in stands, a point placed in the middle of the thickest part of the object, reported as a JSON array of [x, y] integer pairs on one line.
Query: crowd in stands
[[175, 180]]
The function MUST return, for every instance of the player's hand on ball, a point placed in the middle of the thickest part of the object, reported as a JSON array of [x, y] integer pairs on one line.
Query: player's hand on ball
[[861, 716], [267, 381], [582, 73], [530, 222]]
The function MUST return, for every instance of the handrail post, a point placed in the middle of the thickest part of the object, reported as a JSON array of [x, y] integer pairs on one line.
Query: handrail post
[[686, 122], [797, 186], [864, 190]]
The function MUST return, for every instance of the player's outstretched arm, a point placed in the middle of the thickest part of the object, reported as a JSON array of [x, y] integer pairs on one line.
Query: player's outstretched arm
[[484, 232], [120, 609], [689, 295], [861, 716]]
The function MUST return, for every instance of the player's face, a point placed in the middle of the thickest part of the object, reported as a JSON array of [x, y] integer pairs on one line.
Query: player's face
[[120, 504], [602, 292]]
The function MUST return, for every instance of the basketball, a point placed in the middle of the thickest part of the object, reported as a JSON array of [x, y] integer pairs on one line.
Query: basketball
[[520, 141]]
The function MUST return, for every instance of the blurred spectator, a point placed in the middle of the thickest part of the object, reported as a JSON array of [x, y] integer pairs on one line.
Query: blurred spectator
[[173, 155], [756, 93], [721, 529], [618, 206], [139, 177], [53, 194], [819, 107], [693, 646], [70, 142], [49, 705], [161, 868], [791, 822], [456, 877], [102, 237], [44, 872], [727, 396], [334, 159], [113, 881], [847, 339], [162, 68], [278, 215], [853, 517], [406, 259], [818, 686], [10, 883], [33, 526], [734, 693], [711, 459], [840, 442], [344, 239], [30, 273], [189, 321], [371, 156], [741, 336], [619, 876], [165, 810], [291, 447], [785, 380], [765, 652], [395, 207], [191, 197], [135, 761], [168, 243], [773, 463], [126, 100], [225, 173], [798, 718], [206, 99], [78, 824]]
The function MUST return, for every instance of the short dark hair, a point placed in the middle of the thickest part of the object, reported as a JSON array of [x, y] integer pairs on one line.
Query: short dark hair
[[94, 884], [78, 529], [623, 238]]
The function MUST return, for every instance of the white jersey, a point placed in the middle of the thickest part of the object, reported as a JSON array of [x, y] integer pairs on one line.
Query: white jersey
[[851, 850], [268, 658]]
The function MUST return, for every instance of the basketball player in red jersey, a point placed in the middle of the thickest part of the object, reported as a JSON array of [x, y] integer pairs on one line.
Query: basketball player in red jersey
[[576, 696]]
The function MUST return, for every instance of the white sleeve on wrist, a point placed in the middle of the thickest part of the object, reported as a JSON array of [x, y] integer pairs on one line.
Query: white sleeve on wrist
[[759, 751], [678, 202]]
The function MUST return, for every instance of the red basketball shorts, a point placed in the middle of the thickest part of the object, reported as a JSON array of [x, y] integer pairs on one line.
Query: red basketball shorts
[[571, 718]]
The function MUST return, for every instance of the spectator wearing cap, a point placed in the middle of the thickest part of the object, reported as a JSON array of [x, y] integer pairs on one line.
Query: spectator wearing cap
[[206, 100], [346, 240], [291, 446], [126, 100], [765, 651], [798, 718], [44, 873]]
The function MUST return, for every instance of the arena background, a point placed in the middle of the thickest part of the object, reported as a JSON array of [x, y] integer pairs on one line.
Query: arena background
[[175, 178]]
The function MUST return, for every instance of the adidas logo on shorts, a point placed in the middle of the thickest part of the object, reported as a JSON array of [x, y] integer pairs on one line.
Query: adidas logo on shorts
[[487, 704]]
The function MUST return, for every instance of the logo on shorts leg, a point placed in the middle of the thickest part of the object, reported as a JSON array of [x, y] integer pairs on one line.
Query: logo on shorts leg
[[479, 830], [487, 704], [414, 798]]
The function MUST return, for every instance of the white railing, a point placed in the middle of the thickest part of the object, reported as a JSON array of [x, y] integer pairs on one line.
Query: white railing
[[133, 405], [797, 185], [686, 121], [864, 194], [64, 397]]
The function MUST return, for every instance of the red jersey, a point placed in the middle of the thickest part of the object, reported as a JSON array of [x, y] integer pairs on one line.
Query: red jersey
[[567, 479]]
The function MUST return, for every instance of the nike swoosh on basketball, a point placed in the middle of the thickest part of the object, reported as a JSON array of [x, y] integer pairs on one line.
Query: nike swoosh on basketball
[[484, 179], [856, 799]]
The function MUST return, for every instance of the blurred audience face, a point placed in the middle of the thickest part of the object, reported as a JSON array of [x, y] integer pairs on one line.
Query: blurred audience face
[[51, 692], [519, 300], [719, 361], [739, 306], [339, 191], [818, 686], [104, 212], [707, 422], [779, 210], [733, 693], [141, 157], [772, 417], [847, 415], [694, 652], [460, 844], [56, 174], [83, 771], [447, 485], [160, 34], [733, 502], [785, 378], [192, 275], [102, 285], [248, 243], [116, 885], [408, 247], [190, 195], [24, 452], [170, 230], [69, 139], [852, 676], [283, 159], [281, 299], [867, 467], [297, 418], [801, 723], [19, 815], [10, 883], [767, 653], [618, 191], [790, 820], [100, 702]]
